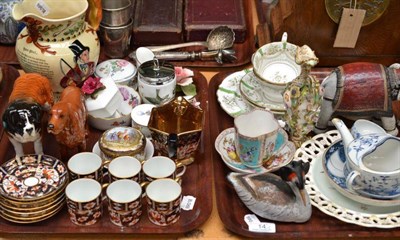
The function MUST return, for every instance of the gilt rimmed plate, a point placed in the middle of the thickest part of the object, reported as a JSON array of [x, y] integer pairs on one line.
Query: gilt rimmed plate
[[148, 149], [32, 178], [229, 96], [225, 146], [24, 220], [30, 207], [33, 213], [334, 160], [326, 198], [259, 95]]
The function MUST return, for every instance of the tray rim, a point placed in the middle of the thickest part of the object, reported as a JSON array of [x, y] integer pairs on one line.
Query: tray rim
[[201, 213]]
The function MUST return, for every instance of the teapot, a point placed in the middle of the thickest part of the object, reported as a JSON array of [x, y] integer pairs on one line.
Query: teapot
[[372, 160]]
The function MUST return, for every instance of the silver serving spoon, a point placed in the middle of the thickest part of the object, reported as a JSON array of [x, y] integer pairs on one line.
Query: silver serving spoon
[[221, 56], [219, 38]]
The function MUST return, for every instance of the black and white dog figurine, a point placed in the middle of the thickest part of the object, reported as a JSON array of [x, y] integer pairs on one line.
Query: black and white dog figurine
[[32, 95], [22, 122]]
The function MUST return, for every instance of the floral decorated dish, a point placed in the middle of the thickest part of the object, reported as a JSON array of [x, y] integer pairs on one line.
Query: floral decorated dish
[[229, 96], [34, 178], [225, 146]]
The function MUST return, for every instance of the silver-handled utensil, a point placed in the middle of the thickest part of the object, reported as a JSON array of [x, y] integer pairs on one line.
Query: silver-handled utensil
[[219, 38]]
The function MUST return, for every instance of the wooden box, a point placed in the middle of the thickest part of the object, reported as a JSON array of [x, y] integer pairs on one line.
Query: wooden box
[[201, 16], [158, 22]]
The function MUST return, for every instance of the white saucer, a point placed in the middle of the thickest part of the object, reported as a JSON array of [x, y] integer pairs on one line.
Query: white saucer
[[260, 95], [149, 149], [333, 163], [225, 146], [229, 97]]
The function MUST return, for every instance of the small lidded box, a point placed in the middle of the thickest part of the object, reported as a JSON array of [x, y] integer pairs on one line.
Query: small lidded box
[[122, 141]]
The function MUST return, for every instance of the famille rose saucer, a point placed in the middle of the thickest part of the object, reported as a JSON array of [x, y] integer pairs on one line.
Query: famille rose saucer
[[149, 149], [334, 160], [225, 146]]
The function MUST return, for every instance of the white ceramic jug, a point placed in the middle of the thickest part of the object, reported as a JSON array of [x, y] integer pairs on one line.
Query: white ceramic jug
[[56, 42]]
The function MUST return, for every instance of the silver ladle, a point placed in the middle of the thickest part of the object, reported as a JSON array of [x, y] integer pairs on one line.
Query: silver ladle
[[221, 37], [221, 55]]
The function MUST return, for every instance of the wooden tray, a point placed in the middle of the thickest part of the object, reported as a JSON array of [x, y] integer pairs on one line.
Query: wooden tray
[[196, 182], [243, 50], [231, 210]]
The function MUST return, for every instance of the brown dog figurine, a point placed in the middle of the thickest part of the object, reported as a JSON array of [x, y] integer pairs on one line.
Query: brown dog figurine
[[68, 121], [22, 119]]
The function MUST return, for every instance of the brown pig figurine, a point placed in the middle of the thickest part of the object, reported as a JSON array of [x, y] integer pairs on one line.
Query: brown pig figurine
[[68, 121]]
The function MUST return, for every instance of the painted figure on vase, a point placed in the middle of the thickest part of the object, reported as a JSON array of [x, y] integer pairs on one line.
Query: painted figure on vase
[[83, 66]]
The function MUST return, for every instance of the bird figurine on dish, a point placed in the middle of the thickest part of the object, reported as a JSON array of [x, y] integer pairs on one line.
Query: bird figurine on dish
[[278, 196]]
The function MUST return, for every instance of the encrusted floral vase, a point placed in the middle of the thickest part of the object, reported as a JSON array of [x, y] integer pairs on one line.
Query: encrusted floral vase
[[301, 98], [56, 42]]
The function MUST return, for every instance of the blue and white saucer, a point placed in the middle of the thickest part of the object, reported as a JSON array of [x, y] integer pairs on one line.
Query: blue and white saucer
[[333, 163], [225, 146]]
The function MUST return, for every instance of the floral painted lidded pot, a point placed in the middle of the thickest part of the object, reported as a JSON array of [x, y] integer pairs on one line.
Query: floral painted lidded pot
[[56, 42], [121, 71], [156, 82]]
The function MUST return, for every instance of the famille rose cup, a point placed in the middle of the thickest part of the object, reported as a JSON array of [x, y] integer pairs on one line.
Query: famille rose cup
[[84, 201], [163, 198], [256, 134]]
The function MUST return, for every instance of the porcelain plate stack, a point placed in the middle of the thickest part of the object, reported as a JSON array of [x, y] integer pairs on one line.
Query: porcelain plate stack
[[32, 189]]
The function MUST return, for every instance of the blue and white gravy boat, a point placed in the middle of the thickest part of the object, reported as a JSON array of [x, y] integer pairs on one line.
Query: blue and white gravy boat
[[372, 165]]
